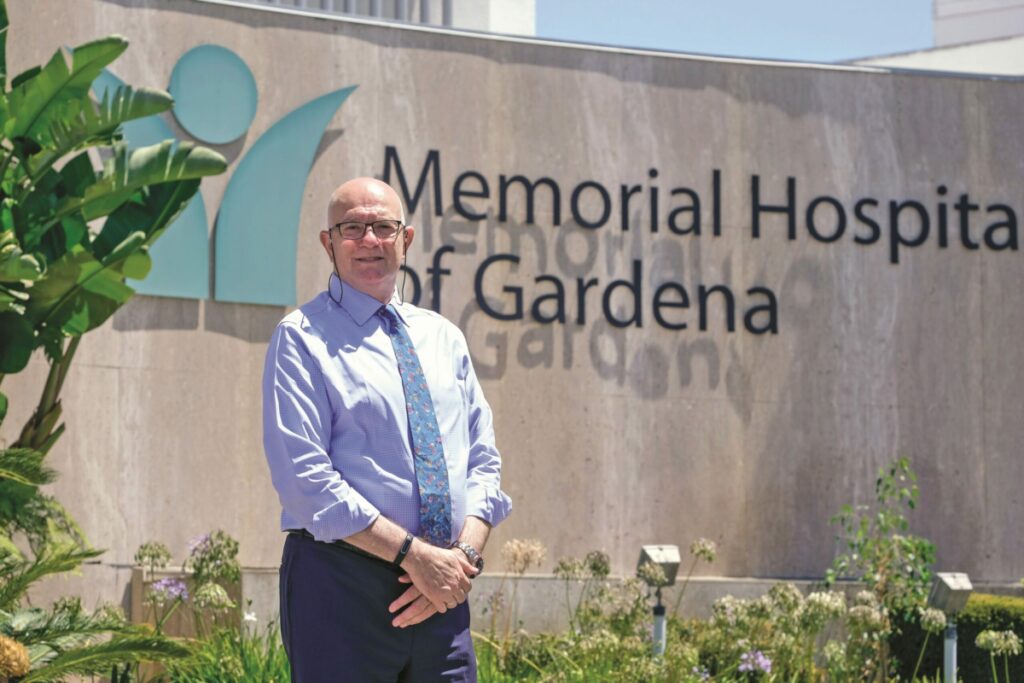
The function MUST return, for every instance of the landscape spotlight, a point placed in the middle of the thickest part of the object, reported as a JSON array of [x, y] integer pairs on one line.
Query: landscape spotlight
[[666, 558], [949, 594]]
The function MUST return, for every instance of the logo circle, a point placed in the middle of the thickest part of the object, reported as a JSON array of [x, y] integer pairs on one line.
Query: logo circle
[[215, 94]]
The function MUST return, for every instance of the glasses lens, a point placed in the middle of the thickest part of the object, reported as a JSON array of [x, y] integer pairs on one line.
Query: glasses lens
[[352, 231], [386, 229]]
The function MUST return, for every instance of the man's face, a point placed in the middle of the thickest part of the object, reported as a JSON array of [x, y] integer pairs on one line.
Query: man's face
[[368, 264]]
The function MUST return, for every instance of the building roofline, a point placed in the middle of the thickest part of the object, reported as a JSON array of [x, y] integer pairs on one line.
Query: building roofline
[[613, 49]]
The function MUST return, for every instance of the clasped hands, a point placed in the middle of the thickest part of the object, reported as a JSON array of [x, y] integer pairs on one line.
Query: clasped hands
[[439, 580]]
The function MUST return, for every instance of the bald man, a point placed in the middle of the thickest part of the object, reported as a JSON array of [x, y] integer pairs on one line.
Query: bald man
[[381, 448]]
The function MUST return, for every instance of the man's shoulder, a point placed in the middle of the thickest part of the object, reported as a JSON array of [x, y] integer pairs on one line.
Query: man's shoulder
[[307, 316]]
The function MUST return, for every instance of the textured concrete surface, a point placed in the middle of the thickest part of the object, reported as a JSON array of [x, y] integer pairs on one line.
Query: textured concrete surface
[[612, 437]]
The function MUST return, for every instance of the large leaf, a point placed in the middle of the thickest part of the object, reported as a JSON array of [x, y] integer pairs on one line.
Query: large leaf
[[84, 124], [16, 265], [160, 205], [34, 104], [17, 341], [19, 578], [129, 171], [25, 466], [98, 658], [77, 294]]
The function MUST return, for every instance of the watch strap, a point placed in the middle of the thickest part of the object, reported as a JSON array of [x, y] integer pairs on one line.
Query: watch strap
[[404, 550]]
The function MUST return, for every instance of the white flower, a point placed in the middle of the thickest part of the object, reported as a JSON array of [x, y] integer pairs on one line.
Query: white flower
[[250, 616]]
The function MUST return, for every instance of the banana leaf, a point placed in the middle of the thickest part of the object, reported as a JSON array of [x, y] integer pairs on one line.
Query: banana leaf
[[34, 104], [25, 466]]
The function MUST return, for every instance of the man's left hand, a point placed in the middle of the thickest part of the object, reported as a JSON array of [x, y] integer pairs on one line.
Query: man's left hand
[[413, 607]]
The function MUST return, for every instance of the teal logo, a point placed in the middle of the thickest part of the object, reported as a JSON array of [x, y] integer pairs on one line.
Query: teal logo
[[216, 99]]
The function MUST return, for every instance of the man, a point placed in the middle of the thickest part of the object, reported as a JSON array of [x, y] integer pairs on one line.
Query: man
[[381, 448]]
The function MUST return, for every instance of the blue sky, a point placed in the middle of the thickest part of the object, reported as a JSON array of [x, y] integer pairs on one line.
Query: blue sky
[[810, 30]]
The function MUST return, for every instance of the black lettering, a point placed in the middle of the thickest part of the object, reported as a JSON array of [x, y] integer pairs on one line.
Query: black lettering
[[1009, 225], [516, 292], [704, 293], [558, 296], [659, 303], [652, 174], [896, 238], [771, 308], [432, 162], [458, 192], [840, 225], [876, 229], [606, 210], [529, 188], [692, 208], [634, 287], [789, 208], [964, 208], [625, 193], [581, 298]]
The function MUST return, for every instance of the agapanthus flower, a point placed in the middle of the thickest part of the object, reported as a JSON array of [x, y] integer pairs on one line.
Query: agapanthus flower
[[755, 660], [213, 596], [933, 620], [168, 590], [704, 549]]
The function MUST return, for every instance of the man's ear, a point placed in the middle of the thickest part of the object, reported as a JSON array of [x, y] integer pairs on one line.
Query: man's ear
[[410, 233], [325, 240]]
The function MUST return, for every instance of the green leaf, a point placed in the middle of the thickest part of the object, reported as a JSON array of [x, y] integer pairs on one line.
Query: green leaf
[[99, 657], [17, 341], [129, 171], [25, 466], [3, 396], [158, 207], [34, 104], [19, 578], [15, 264], [84, 124]]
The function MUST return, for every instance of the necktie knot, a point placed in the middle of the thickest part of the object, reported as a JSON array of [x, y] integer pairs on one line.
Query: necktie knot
[[389, 314]]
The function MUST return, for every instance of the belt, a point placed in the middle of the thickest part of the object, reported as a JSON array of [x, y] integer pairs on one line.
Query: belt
[[341, 544]]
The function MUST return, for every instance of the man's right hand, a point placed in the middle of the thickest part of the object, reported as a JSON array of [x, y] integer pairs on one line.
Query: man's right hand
[[441, 574]]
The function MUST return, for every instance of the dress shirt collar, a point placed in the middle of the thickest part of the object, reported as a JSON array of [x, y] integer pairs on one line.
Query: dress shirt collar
[[362, 306]]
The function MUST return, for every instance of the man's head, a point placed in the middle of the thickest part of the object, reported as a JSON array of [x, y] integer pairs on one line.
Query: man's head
[[369, 263]]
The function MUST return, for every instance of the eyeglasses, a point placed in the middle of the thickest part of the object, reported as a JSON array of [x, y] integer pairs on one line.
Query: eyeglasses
[[384, 230]]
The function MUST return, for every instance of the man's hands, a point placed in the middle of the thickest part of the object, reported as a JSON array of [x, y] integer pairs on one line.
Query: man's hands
[[439, 579]]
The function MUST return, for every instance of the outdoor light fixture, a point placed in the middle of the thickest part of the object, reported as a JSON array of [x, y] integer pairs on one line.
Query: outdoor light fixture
[[665, 558], [949, 594]]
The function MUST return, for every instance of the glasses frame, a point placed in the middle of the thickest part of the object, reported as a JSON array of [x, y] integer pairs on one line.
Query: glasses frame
[[368, 227]]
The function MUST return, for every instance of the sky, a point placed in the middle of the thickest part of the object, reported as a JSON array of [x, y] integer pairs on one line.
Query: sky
[[805, 30]]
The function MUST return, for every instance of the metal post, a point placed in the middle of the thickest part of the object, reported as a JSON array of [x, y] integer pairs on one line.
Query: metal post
[[349, 7], [949, 654], [424, 11], [402, 10], [446, 13], [658, 635], [375, 9]]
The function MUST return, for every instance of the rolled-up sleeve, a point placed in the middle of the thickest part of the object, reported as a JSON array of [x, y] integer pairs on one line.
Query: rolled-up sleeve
[[296, 437], [484, 497]]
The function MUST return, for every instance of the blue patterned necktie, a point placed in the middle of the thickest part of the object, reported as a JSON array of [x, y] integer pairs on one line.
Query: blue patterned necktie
[[427, 448]]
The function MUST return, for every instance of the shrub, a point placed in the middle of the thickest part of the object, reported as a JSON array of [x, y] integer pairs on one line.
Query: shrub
[[983, 612]]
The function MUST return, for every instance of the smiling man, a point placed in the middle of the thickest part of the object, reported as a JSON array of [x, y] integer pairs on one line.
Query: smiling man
[[381, 448]]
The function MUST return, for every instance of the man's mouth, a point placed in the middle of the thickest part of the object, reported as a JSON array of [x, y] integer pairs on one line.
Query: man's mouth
[[369, 259]]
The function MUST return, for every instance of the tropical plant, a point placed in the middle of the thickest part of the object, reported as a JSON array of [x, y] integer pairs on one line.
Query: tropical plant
[[70, 235]]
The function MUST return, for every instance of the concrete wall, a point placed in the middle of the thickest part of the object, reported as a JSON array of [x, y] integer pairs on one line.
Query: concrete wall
[[612, 437]]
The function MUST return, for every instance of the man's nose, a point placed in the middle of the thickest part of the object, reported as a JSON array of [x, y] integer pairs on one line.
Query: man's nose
[[368, 233]]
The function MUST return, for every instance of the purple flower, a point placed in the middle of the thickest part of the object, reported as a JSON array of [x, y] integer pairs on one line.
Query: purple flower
[[170, 589], [755, 660], [702, 672], [197, 543]]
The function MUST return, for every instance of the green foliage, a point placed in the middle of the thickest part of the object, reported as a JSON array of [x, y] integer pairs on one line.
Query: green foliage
[[235, 655], [983, 612], [214, 557], [894, 564], [62, 270]]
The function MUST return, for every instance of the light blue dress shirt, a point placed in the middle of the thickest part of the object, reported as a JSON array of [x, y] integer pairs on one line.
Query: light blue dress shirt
[[335, 429]]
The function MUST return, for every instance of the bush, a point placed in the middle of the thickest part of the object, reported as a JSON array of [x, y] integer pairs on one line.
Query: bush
[[983, 612]]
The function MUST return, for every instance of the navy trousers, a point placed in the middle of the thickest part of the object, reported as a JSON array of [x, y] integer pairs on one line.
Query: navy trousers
[[336, 625]]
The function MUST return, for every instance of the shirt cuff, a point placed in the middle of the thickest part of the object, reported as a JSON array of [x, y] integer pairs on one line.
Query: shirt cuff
[[344, 518], [488, 503]]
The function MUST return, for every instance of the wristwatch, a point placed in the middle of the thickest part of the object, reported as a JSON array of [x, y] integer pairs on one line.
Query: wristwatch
[[471, 554]]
